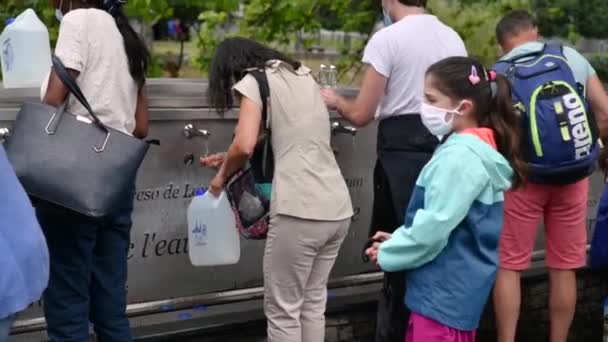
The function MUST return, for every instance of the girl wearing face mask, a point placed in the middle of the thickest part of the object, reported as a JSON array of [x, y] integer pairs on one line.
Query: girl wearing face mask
[[450, 237], [89, 257]]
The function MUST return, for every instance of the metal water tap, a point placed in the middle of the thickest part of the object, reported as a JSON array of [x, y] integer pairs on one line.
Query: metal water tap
[[190, 131], [337, 127], [4, 133]]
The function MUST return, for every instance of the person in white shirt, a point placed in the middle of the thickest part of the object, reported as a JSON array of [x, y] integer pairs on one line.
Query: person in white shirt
[[397, 58], [89, 257]]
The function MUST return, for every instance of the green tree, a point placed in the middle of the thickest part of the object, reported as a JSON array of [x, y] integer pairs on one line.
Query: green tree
[[12, 8], [592, 18], [571, 18], [475, 21], [148, 12], [282, 23]]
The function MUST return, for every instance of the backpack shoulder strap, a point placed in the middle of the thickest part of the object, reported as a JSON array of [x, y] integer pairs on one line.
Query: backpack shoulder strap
[[554, 49], [501, 67], [528, 56], [262, 79]]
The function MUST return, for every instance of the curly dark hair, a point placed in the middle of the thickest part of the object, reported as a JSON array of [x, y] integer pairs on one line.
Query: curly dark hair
[[230, 63]]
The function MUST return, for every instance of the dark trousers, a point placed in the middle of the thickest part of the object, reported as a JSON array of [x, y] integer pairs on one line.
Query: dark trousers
[[404, 148], [88, 275]]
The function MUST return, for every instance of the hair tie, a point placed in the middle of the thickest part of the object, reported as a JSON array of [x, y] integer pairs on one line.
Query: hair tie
[[474, 77], [492, 75]]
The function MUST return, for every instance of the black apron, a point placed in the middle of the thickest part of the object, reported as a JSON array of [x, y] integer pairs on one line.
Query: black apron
[[404, 148]]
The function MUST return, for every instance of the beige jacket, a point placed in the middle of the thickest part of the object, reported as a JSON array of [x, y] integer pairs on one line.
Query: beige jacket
[[307, 182]]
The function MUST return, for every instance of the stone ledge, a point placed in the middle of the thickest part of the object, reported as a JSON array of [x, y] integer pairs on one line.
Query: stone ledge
[[534, 320], [533, 325]]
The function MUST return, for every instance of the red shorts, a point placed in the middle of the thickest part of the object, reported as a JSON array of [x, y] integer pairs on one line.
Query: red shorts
[[563, 209]]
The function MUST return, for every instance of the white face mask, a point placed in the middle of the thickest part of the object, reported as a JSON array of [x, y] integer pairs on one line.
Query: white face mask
[[59, 13], [386, 18], [434, 119]]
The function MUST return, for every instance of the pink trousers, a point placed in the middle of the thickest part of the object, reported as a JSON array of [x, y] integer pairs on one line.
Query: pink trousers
[[422, 329]]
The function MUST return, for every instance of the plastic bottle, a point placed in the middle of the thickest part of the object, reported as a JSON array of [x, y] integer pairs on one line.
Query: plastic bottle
[[323, 75], [25, 52], [332, 77], [212, 235]]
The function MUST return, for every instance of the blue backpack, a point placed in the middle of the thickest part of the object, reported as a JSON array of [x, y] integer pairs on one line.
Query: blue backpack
[[560, 136]]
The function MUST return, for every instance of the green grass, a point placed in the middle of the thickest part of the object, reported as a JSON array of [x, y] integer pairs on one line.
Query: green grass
[[169, 50], [163, 47]]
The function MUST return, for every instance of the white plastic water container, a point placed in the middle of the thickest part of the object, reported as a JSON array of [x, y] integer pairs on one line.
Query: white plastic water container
[[212, 235], [25, 52]]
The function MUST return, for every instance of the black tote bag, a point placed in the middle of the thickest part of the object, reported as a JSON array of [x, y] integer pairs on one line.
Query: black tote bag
[[70, 162]]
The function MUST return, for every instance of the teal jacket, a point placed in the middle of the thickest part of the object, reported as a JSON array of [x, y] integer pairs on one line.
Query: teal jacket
[[449, 241]]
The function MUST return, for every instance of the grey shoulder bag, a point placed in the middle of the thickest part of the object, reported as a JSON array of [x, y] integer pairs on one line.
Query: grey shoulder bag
[[70, 162]]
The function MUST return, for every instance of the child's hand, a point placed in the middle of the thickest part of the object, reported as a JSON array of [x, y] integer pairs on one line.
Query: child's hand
[[372, 252], [382, 236]]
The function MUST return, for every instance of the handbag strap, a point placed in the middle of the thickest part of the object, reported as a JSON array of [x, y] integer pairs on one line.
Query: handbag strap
[[264, 88], [74, 89], [262, 79]]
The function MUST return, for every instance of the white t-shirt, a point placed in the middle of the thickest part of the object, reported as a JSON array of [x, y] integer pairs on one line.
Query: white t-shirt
[[402, 52], [89, 42]]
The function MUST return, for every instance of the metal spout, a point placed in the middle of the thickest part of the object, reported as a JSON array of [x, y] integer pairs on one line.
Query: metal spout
[[190, 131], [4, 133], [337, 127]]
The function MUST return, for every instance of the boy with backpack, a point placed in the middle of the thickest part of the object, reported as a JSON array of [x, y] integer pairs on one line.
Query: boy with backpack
[[557, 92]]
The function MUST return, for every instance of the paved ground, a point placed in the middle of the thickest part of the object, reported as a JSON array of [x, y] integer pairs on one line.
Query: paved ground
[[356, 323], [358, 326]]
